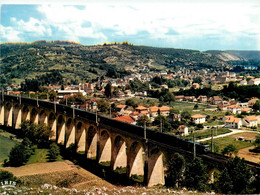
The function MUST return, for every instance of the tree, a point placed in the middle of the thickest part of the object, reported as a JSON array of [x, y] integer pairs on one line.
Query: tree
[[195, 107], [108, 90], [166, 126], [197, 80], [131, 102], [103, 106], [175, 169], [54, 152], [235, 178], [52, 95], [229, 150], [257, 142], [256, 106], [7, 176], [18, 155], [37, 134], [142, 119], [196, 176]]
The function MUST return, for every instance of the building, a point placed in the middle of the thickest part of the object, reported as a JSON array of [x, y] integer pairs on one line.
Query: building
[[202, 99], [165, 110], [254, 81], [235, 109], [232, 122], [250, 121], [183, 130], [198, 118], [126, 119], [153, 111]]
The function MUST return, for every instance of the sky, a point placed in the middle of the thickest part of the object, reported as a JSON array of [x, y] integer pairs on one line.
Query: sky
[[188, 24]]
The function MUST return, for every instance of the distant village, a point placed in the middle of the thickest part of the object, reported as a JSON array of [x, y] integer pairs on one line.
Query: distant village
[[95, 91]]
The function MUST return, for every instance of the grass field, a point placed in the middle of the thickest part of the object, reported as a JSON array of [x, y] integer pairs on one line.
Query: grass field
[[207, 133], [41, 156], [221, 143], [5, 147]]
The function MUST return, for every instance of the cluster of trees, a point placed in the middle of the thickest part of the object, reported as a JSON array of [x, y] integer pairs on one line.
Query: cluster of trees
[[118, 43], [240, 93], [235, 177], [164, 96], [53, 78], [157, 81], [33, 136]]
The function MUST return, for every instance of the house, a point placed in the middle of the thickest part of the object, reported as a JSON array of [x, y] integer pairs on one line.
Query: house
[[174, 117], [228, 117], [179, 98], [126, 119], [243, 82], [153, 111], [246, 110], [198, 118], [254, 81], [183, 130], [128, 93], [223, 105], [243, 104], [165, 110], [202, 99], [195, 85], [233, 122], [235, 109], [120, 108], [141, 108], [250, 121], [215, 100]]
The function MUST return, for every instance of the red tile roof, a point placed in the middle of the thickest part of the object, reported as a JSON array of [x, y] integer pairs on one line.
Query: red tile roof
[[127, 119]]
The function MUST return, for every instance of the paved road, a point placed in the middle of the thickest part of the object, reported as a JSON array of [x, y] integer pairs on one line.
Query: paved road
[[233, 131]]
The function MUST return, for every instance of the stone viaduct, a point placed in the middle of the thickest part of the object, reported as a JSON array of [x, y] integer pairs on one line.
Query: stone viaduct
[[140, 150]]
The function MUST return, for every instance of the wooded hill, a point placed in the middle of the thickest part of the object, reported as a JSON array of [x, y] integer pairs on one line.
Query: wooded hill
[[78, 63]]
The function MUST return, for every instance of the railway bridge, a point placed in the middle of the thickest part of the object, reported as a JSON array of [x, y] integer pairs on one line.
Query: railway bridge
[[141, 151]]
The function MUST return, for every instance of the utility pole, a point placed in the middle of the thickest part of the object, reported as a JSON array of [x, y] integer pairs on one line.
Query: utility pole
[[161, 124], [145, 130], [212, 139], [194, 146], [110, 111]]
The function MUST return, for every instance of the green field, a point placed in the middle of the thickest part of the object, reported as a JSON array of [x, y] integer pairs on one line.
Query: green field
[[40, 156], [5, 147], [207, 133], [221, 143]]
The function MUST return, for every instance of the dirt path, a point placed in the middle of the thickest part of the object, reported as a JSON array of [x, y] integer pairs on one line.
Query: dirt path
[[56, 172], [40, 168], [250, 156]]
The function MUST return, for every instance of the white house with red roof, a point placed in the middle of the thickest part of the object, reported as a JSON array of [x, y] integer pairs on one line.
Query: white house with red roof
[[198, 118], [250, 121]]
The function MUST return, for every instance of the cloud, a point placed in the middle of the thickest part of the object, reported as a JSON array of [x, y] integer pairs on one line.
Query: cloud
[[9, 34], [170, 23]]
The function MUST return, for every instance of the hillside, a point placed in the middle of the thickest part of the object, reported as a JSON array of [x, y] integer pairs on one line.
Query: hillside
[[78, 63]]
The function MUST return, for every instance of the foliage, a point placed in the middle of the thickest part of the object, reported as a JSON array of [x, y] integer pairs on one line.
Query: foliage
[[256, 106], [7, 176], [54, 77], [54, 152], [175, 169], [18, 155], [229, 150], [143, 119], [235, 178], [77, 99], [196, 176], [257, 142], [103, 105], [37, 134], [131, 102], [108, 90], [52, 95], [166, 126]]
